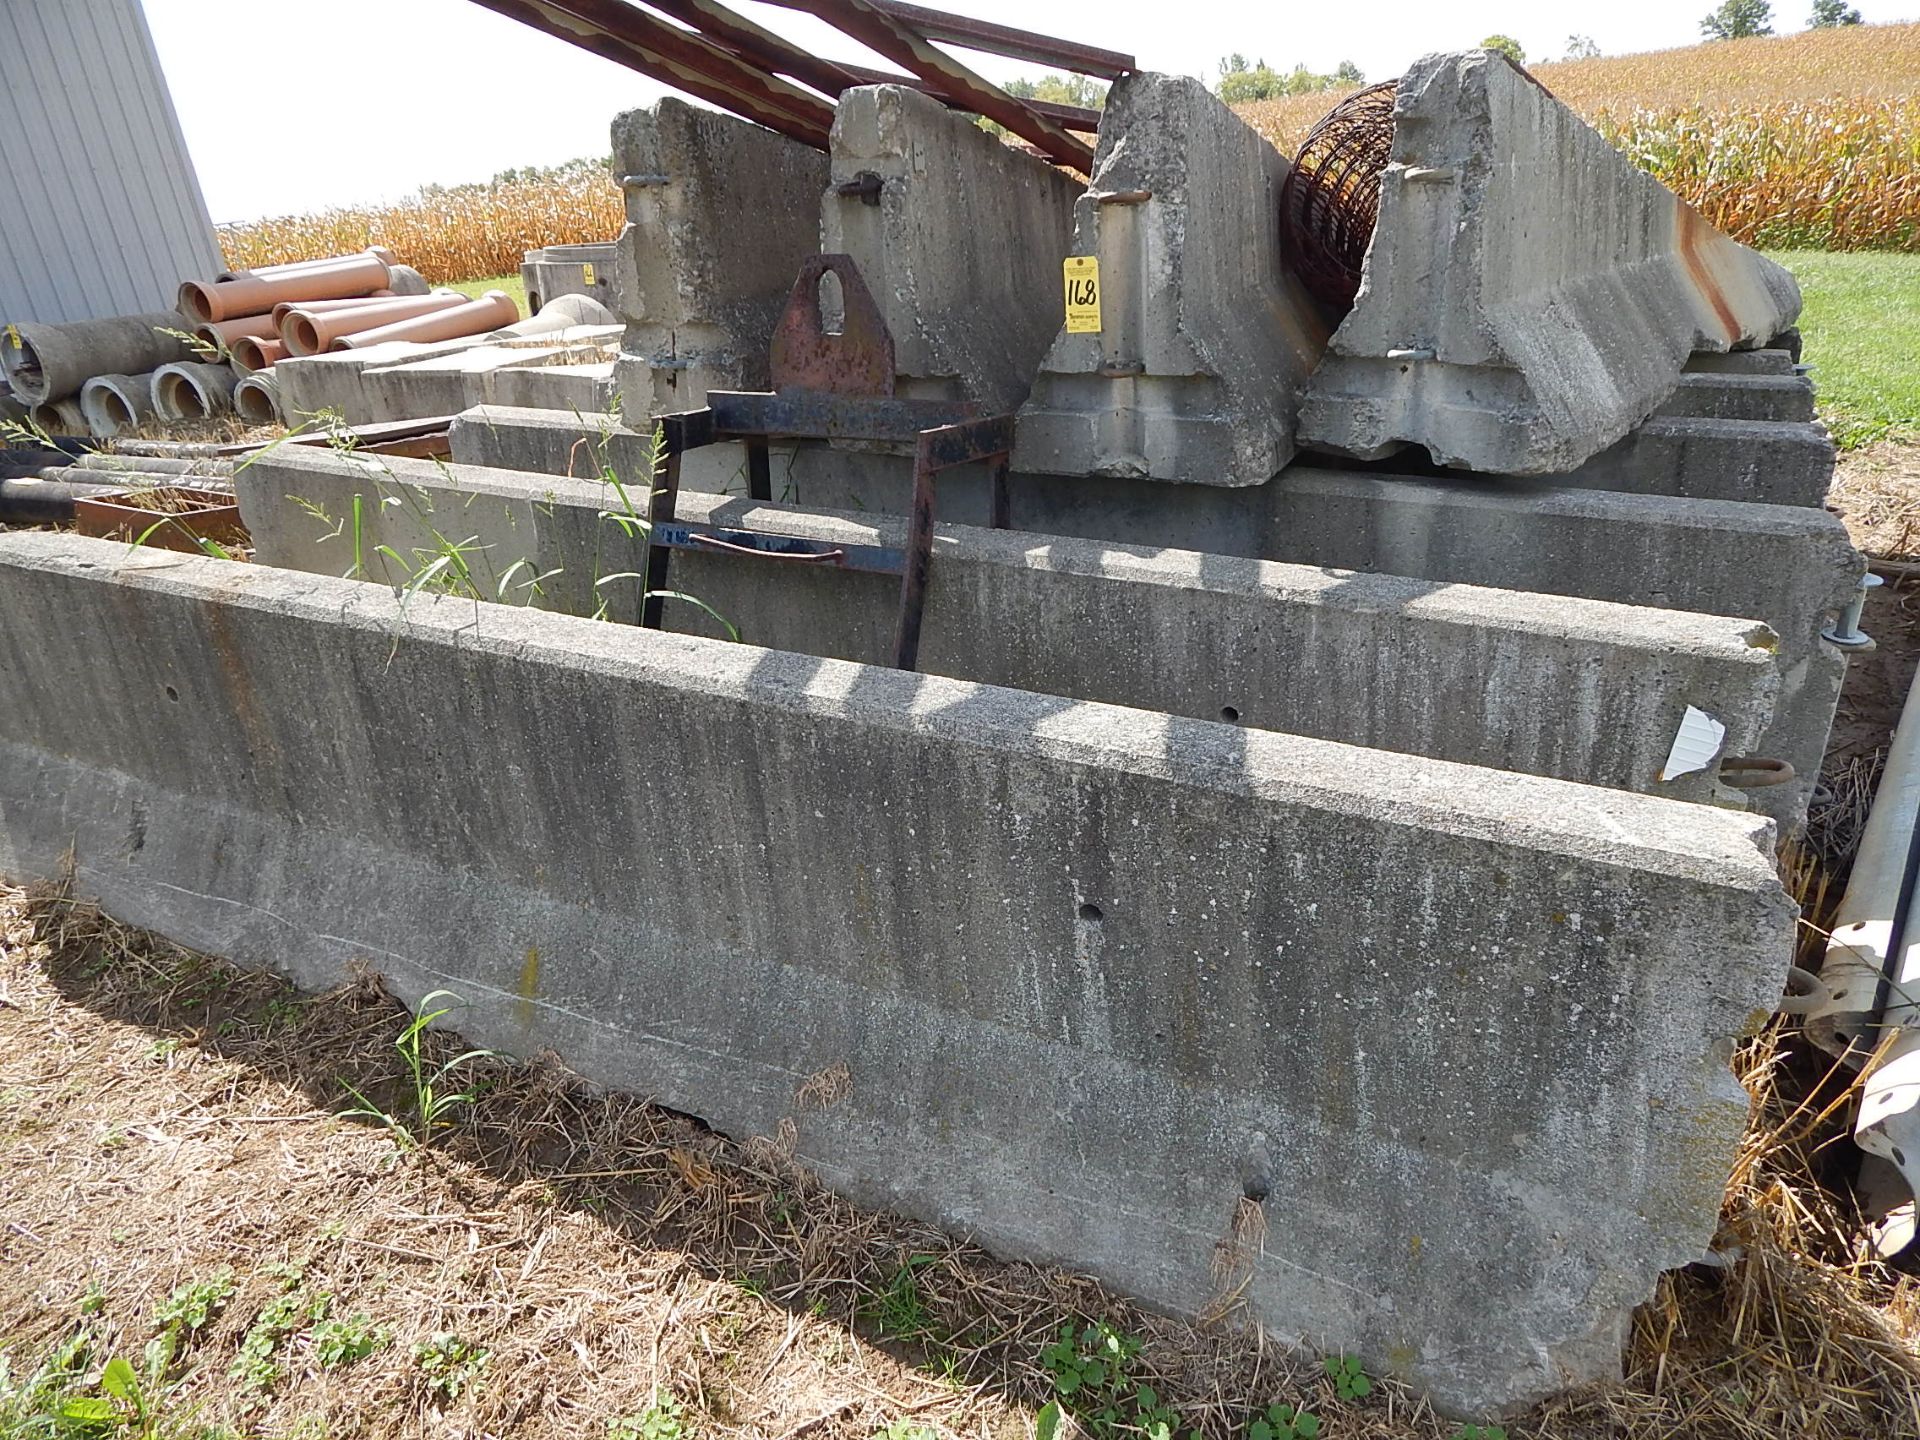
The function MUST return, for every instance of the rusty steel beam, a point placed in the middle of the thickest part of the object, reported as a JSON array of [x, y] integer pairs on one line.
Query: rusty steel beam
[[1070, 117], [549, 19], [993, 39], [879, 31], [700, 54], [762, 47]]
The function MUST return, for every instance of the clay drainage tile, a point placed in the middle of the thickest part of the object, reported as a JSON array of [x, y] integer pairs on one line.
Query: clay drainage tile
[[335, 279], [308, 333], [475, 317], [251, 355]]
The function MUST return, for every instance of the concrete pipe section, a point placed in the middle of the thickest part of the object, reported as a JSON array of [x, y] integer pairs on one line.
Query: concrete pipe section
[[250, 355], [256, 399], [113, 403], [192, 391], [58, 417], [51, 362]]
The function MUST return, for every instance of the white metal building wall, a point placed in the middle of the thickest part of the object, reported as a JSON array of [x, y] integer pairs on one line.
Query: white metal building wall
[[100, 211]]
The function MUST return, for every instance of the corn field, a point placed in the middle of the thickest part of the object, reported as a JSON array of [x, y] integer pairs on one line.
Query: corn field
[[1807, 141], [469, 233]]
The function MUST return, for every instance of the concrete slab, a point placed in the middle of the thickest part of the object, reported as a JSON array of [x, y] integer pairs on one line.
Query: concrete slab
[[1205, 340], [555, 442], [1790, 566], [1742, 362], [1191, 966], [1701, 458], [1579, 690], [312, 384], [959, 236], [448, 384], [720, 215], [1741, 397], [1529, 295]]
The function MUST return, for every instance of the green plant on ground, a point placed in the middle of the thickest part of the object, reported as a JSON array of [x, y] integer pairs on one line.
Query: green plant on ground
[[338, 1343], [664, 1419], [191, 1306], [449, 1364], [899, 1312], [431, 1103], [1481, 1432], [907, 1430], [256, 1366], [1350, 1382], [1284, 1422], [1093, 1381]]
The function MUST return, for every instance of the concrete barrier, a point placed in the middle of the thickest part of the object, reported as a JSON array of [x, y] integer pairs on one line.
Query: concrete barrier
[[1204, 340], [1766, 462], [1791, 566], [556, 270], [1093, 979], [720, 215], [1741, 397], [1529, 295], [958, 236], [1579, 690]]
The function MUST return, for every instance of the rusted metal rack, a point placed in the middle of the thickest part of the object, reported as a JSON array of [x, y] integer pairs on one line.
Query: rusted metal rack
[[720, 56], [827, 386]]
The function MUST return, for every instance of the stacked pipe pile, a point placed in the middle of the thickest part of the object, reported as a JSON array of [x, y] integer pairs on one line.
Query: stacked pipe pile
[[214, 355]]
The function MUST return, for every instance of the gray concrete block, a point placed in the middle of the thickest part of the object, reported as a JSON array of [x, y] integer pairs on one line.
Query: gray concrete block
[[1529, 295], [1701, 458], [1742, 362], [1741, 397], [556, 270], [583, 443], [1206, 340], [721, 214], [1787, 565], [315, 384], [448, 384], [1415, 1009], [963, 248], [1575, 689], [585, 389]]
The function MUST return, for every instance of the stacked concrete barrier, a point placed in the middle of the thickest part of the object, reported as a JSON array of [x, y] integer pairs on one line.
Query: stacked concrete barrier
[[1192, 367], [1457, 672], [720, 215], [1529, 296], [958, 236], [1193, 966]]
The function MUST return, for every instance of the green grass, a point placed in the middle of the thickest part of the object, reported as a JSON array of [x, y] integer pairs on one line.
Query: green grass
[[509, 283], [1862, 328]]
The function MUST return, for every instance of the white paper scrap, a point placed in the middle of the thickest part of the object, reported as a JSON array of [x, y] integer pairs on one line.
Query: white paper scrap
[[1695, 744]]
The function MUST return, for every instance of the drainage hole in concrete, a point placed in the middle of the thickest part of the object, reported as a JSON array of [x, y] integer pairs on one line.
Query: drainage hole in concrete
[[172, 694], [1091, 914], [1257, 1189], [1229, 714]]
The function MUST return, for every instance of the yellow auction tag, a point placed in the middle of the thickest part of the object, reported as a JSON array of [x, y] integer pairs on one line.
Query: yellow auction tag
[[586, 272], [1083, 294], [13, 335]]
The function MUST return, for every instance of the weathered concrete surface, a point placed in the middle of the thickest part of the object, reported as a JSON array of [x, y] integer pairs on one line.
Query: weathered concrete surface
[[1206, 340], [1741, 397], [556, 270], [585, 443], [1742, 362], [963, 249], [1469, 1030], [1578, 690], [720, 216], [448, 384], [1558, 289], [1790, 566], [1702, 458]]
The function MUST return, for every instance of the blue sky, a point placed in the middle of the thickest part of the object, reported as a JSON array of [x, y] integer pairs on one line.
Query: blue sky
[[294, 105]]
